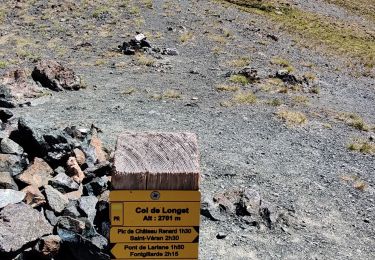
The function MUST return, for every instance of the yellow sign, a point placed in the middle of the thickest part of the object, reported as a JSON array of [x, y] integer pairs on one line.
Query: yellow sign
[[155, 251], [154, 234], [155, 224]]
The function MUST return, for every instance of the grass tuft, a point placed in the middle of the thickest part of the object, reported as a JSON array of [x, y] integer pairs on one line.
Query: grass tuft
[[292, 118], [245, 98], [362, 146], [224, 87], [239, 79]]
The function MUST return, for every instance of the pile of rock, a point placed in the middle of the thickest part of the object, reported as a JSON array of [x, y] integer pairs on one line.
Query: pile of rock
[[245, 205], [18, 87], [141, 44], [54, 189]]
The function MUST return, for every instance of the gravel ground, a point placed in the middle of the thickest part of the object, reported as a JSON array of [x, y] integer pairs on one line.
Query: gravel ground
[[306, 171]]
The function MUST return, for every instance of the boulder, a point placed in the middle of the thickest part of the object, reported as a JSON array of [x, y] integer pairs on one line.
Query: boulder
[[81, 239], [54, 146], [17, 88], [51, 217], [9, 146], [74, 195], [37, 174], [7, 182], [33, 197], [96, 186], [8, 196], [80, 156], [49, 246], [63, 183], [88, 205], [287, 77], [74, 170], [51, 74], [14, 164], [5, 115], [56, 200], [71, 209], [250, 73], [21, 225]]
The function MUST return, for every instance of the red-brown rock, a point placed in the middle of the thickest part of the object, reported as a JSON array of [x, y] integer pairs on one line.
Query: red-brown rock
[[17, 88], [33, 196], [74, 170], [53, 75], [37, 174]]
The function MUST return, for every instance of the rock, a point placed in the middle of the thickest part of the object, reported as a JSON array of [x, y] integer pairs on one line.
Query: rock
[[16, 89], [33, 197], [71, 224], [14, 164], [54, 76], [8, 196], [51, 217], [96, 186], [5, 115], [63, 183], [10, 147], [80, 156], [74, 171], [59, 170], [37, 174], [20, 225], [7, 182], [221, 235], [74, 195], [48, 246], [273, 37], [96, 144], [56, 200], [101, 219], [286, 77], [55, 146], [250, 73], [71, 209], [88, 205], [170, 51], [211, 210], [249, 203], [104, 196], [98, 170], [81, 239]]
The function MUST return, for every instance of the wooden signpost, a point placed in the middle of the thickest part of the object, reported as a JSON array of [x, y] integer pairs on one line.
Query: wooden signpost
[[155, 204]]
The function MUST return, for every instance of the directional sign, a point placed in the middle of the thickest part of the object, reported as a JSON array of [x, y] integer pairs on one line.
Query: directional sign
[[155, 251], [154, 234], [155, 224]]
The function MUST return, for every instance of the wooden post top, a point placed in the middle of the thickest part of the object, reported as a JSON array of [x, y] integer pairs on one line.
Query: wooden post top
[[156, 161]]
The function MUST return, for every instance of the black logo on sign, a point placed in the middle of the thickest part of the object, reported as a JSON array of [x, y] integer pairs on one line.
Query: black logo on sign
[[155, 195]]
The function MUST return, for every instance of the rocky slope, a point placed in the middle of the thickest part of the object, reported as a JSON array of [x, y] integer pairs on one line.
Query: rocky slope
[[297, 131]]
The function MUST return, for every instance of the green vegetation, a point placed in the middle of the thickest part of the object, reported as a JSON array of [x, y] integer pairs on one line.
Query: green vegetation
[[240, 62], [292, 118], [315, 29], [145, 60], [224, 87], [354, 120], [3, 64], [361, 7], [362, 146], [283, 63], [186, 36], [100, 10], [239, 79], [245, 98]]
